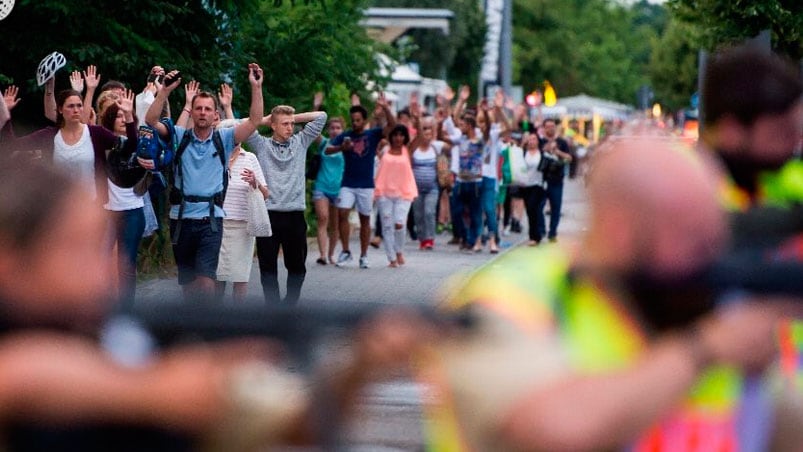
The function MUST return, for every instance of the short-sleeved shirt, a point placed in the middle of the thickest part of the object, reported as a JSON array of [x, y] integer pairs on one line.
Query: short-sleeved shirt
[[359, 169], [202, 172], [330, 174]]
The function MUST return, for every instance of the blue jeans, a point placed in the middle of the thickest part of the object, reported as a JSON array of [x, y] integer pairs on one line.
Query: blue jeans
[[489, 205], [554, 193], [424, 208], [467, 196], [128, 228]]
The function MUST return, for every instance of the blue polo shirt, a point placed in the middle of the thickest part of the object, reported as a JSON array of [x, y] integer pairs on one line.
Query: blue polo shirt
[[359, 168], [203, 173]]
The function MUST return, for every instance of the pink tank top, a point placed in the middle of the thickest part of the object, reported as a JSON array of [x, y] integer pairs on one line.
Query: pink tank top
[[394, 178]]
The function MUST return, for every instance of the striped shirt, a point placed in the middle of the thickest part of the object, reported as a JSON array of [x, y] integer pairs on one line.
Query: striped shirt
[[425, 167], [236, 203]]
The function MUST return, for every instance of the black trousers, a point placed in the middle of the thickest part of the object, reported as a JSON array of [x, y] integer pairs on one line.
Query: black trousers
[[289, 235]]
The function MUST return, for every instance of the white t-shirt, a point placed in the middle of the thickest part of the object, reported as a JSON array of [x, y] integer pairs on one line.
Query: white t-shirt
[[77, 159], [534, 177], [490, 156], [123, 199]]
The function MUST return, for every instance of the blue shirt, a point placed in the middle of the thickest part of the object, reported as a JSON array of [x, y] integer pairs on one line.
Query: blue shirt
[[203, 173], [359, 169], [330, 174]]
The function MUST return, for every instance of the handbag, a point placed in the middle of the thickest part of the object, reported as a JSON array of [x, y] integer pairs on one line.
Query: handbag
[[258, 219], [518, 167]]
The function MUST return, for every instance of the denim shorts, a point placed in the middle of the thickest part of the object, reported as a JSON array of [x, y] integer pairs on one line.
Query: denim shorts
[[197, 249], [317, 194]]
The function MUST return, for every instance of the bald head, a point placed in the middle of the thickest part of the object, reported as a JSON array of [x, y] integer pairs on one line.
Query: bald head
[[654, 206]]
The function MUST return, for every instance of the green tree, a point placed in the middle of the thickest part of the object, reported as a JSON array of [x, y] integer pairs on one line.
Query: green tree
[[673, 65], [597, 47], [460, 52], [723, 23], [303, 47], [124, 39], [306, 48]]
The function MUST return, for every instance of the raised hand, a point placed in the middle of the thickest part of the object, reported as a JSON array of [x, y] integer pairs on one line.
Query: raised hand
[[465, 93], [91, 77], [225, 95], [175, 79], [76, 81], [190, 90], [317, 100], [10, 97], [255, 75], [448, 94], [509, 104], [415, 107], [381, 100], [499, 99], [126, 101]]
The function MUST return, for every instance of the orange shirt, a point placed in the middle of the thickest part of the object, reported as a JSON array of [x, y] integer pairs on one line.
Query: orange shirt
[[395, 176]]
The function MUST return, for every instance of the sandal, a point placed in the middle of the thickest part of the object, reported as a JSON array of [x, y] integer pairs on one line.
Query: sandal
[[321, 261]]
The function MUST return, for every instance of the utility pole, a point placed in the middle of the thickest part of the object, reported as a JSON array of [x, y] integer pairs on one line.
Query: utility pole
[[506, 53]]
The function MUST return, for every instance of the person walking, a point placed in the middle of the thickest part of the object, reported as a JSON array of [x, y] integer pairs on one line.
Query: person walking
[[283, 158], [395, 192]]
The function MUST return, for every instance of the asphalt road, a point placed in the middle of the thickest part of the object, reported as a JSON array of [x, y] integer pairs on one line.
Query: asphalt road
[[389, 414]]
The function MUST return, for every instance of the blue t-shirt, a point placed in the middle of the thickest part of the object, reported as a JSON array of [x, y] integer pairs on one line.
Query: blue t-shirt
[[203, 173], [359, 169]]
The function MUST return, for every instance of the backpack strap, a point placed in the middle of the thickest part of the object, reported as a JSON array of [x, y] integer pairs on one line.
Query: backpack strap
[[179, 190], [216, 199]]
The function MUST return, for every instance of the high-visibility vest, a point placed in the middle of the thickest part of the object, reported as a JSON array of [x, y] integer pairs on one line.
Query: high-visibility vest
[[531, 289], [782, 188]]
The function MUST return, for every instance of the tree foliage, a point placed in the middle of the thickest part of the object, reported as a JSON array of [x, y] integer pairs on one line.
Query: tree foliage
[[598, 47], [673, 65], [454, 57], [303, 46], [723, 23]]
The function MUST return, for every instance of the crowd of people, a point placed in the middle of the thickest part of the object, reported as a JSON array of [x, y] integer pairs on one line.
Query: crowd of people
[[614, 347], [424, 173]]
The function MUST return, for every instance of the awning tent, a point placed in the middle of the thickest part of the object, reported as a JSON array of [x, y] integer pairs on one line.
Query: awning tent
[[586, 108]]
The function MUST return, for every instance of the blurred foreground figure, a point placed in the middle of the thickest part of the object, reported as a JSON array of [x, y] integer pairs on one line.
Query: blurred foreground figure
[[608, 347], [753, 122], [60, 391]]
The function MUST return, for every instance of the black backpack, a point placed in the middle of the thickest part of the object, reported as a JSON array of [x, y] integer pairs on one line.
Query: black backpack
[[177, 195]]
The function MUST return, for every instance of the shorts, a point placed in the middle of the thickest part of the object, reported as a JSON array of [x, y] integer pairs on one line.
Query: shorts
[[317, 194], [363, 198], [197, 249], [236, 252]]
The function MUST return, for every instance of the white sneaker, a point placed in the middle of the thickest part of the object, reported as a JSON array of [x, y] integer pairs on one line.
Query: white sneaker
[[343, 257], [506, 231], [363, 261]]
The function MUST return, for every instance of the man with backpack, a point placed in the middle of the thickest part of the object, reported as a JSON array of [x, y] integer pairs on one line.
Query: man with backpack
[[199, 179]]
